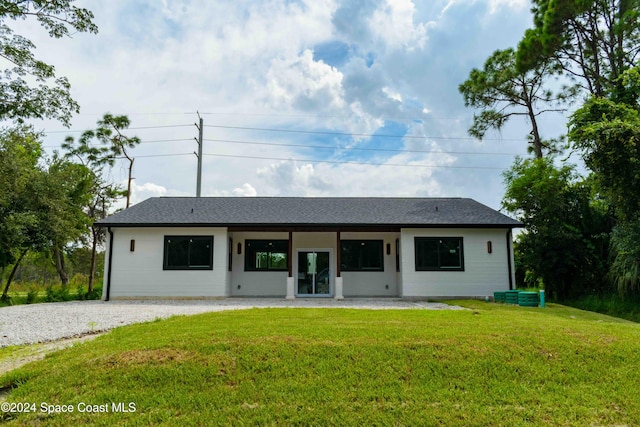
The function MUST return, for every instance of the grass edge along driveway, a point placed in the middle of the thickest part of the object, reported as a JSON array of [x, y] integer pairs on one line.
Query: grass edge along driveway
[[491, 365]]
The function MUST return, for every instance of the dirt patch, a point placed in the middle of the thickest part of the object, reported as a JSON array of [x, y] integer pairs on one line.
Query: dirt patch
[[35, 352], [157, 356]]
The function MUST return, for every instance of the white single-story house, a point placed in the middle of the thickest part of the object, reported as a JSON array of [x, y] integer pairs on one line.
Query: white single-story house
[[292, 247]]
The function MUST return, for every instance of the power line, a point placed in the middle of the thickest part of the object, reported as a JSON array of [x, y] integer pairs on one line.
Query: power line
[[344, 162], [368, 135], [142, 114], [332, 116], [275, 144], [136, 128], [141, 142], [419, 118], [166, 140], [298, 131], [158, 127], [324, 147], [355, 163], [160, 155]]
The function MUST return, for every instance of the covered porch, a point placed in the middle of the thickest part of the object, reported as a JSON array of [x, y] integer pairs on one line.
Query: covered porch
[[314, 262]]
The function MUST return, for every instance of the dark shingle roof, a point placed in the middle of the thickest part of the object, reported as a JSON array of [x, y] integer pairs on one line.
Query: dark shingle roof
[[309, 211]]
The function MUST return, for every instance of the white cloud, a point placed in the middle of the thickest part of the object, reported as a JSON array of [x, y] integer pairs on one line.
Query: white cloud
[[495, 6], [146, 190], [245, 191], [403, 174], [252, 64], [330, 180], [304, 84], [393, 25], [288, 178], [392, 94]]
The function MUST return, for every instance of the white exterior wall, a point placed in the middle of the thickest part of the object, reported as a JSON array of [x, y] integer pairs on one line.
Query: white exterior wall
[[483, 273], [274, 283], [355, 283], [256, 283], [373, 283], [140, 273]]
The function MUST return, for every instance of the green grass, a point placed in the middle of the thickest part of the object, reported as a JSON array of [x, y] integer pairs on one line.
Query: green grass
[[20, 298], [490, 365], [612, 305], [51, 294]]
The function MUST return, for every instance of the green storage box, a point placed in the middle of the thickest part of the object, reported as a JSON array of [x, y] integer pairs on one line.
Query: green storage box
[[499, 296], [511, 297], [528, 299]]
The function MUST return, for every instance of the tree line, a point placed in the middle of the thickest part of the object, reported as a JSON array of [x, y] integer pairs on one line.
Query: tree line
[[49, 204], [582, 231]]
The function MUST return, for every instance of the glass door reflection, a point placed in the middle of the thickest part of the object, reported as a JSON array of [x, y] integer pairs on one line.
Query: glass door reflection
[[314, 275]]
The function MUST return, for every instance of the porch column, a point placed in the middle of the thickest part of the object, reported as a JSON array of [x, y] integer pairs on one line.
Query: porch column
[[290, 280], [338, 290]]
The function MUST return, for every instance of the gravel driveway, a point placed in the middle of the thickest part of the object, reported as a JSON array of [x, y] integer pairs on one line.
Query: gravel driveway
[[26, 324]]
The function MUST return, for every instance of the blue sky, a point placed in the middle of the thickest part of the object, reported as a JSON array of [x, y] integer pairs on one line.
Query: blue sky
[[275, 80]]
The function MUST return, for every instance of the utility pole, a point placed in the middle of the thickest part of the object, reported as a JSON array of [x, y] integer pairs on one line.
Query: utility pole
[[199, 155]]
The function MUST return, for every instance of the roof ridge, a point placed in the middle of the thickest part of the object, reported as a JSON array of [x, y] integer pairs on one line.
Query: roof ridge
[[314, 197]]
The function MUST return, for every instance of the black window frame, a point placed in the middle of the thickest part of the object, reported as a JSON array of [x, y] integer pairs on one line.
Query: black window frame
[[359, 243], [252, 246], [168, 240], [421, 266]]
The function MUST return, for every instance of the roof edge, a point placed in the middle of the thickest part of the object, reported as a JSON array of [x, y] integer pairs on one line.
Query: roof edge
[[312, 225]]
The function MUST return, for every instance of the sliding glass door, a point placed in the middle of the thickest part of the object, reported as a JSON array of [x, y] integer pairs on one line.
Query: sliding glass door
[[314, 273]]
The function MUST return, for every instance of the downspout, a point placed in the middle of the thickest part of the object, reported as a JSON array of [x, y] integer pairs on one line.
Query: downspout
[[338, 260], [109, 264], [290, 254], [509, 245]]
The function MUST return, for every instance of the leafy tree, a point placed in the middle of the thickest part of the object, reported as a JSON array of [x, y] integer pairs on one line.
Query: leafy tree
[[500, 91], [19, 154], [606, 131], [608, 135], [67, 190], [110, 132], [37, 269], [82, 261], [20, 227], [594, 41], [113, 144], [105, 194], [566, 233], [49, 97], [40, 204], [625, 268], [597, 43]]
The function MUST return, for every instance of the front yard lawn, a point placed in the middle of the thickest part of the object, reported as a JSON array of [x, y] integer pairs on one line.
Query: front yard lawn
[[489, 365]]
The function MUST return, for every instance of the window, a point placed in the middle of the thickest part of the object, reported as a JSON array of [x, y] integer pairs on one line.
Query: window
[[188, 253], [361, 255], [439, 253], [270, 255]]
